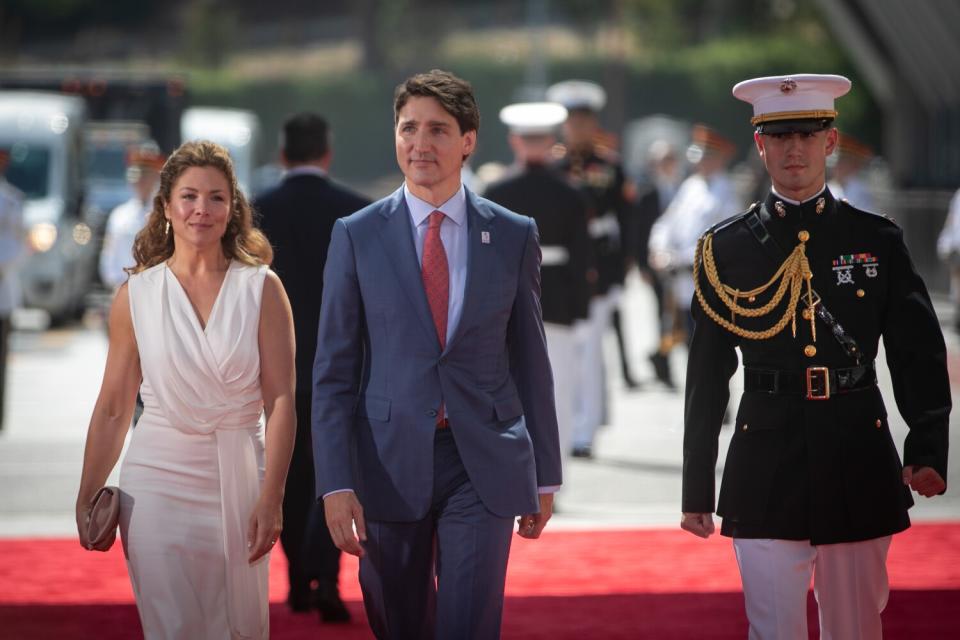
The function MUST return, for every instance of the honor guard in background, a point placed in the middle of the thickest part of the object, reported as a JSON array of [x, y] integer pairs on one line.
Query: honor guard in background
[[533, 188], [704, 198], [948, 249], [806, 286], [11, 251], [652, 201], [847, 179], [594, 168], [126, 220]]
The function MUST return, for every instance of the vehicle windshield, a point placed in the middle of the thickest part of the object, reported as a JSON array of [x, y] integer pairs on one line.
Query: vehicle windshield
[[29, 169], [107, 163]]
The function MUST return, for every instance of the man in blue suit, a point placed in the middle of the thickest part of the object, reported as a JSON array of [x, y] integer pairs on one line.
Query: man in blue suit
[[434, 422]]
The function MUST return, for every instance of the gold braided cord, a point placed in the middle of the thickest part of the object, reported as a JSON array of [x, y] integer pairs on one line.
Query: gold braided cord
[[791, 274]]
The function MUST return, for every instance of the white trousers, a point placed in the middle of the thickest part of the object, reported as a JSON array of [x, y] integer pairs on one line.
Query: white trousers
[[591, 409], [562, 348], [849, 582]]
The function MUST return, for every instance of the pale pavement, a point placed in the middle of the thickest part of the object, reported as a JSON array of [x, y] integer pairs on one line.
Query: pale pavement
[[633, 481]]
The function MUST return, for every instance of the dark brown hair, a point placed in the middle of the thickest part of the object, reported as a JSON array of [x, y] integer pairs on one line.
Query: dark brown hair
[[241, 241], [454, 94]]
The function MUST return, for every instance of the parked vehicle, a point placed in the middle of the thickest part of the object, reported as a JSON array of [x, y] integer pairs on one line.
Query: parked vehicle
[[236, 129], [107, 145], [44, 132]]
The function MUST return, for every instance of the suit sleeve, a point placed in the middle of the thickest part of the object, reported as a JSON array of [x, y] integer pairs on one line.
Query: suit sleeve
[[917, 359], [711, 363], [337, 366], [530, 365]]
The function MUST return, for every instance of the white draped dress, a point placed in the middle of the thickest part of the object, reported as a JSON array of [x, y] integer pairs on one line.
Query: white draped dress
[[195, 463]]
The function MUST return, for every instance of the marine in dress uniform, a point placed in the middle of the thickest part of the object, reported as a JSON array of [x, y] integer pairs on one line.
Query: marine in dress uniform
[[806, 286], [594, 168], [534, 188], [847, 181], [127, 219], [948, 249], [704, 198], [651, 202], [11, 251]]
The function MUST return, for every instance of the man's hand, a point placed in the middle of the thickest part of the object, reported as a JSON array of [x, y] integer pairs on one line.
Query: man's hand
[[924, 480], [530, 525], [699, 524], [343, 511]]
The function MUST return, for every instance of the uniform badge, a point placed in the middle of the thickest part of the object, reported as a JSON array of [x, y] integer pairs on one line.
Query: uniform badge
[[788, 86], [781, 208], [845, 265], [484, 237], [821, 204]]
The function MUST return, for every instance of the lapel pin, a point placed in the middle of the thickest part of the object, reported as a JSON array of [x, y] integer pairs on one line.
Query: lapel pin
[[484, 237]]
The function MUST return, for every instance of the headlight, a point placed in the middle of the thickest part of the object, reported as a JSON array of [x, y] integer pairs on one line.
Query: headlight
[[42, 236]]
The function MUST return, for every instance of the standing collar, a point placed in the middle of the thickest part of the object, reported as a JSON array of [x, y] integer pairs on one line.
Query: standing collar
[[455, 208], [797, 202]]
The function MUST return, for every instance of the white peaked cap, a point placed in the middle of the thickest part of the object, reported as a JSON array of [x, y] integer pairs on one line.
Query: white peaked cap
[[804, 96], [533, 118], [578, 94]]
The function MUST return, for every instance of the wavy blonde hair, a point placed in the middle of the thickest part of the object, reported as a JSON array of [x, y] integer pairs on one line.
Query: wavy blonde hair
[[241, 241]]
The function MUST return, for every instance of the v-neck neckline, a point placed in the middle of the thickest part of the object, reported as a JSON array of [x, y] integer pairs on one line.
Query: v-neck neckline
[[194, 312]]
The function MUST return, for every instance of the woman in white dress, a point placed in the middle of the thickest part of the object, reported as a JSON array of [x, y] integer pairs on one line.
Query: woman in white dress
[[203, 329]]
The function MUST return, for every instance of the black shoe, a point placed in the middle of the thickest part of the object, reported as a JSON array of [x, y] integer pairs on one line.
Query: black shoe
[[584, 451], [661, 369], [330, 605], [301, 599]]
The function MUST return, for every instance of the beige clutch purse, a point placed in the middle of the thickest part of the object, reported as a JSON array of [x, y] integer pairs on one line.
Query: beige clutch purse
[[104, 516]]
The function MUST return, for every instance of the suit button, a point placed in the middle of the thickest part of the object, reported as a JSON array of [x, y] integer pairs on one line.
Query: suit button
[[803, 236], [861, 293], [745, 427], [879, 423], [809, 351], [432, 413]]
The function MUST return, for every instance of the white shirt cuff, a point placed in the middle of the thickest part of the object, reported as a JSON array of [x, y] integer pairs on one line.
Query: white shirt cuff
[[553, 488], [330, 493]]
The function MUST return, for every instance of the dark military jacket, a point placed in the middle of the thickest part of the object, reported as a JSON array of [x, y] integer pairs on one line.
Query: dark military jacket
[[823, 470], [561, 215], [599, 176]]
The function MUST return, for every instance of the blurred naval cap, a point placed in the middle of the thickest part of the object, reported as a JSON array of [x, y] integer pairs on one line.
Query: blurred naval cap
[[578, 95], [801, 103], [533, 118]]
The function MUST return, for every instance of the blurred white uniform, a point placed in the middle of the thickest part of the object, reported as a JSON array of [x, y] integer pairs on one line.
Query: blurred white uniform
[[700, 203], [11, 245], [11, 250], [855, 190], [948, 248], [123, 225]]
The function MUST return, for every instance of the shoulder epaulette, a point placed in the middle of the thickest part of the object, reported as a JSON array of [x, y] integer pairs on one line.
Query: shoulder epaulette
[[843, 202], [732, 219]]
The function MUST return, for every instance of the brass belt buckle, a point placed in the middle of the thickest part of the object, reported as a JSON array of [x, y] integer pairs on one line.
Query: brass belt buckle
[[818, 383]]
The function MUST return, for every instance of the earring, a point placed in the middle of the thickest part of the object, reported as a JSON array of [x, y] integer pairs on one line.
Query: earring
[[167, 229]]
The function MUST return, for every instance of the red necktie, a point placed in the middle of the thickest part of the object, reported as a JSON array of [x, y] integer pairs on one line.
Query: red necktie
[[436, 276], [436, 282]]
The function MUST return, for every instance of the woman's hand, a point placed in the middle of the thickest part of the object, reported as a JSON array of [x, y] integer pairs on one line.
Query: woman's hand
[[264, 526], [83, 519]]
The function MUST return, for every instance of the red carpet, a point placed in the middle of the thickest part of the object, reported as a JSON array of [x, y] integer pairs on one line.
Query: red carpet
[[568, 585]]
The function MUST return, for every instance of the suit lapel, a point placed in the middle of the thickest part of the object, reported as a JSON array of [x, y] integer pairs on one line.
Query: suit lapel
[[479, 258], [396, 235]]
